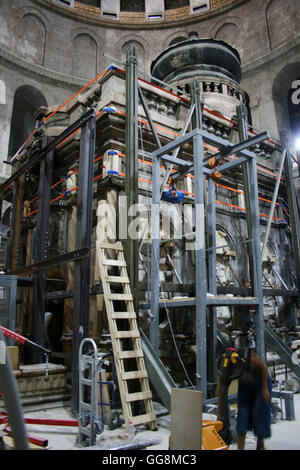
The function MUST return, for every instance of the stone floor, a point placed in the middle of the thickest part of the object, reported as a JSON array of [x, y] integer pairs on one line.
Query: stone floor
[[285, 434]]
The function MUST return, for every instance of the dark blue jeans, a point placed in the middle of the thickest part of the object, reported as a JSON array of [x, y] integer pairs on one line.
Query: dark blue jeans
[[253, 413]]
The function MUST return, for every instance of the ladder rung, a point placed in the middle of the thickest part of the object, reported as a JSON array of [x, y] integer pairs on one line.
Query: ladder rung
[[117, 279], [86, 406], [114, 262], [127, 334], [141, 419], [123, 315], [130, 354], [111, 246], [86, 382], [136, 374], [138, 396], [120, 297], [84, 430]]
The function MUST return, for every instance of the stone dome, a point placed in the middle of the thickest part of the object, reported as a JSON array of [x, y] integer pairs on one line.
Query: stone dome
[[196, 57]]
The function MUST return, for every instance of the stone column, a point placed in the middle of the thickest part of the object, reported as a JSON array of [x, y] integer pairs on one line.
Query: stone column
[[6, 104]]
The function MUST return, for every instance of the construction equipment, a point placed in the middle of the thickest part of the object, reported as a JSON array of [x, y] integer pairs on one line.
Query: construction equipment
[[211, 435], [12, 399], [125, 337], [22, 340], [92, 417], [27, 342], [230, 367]]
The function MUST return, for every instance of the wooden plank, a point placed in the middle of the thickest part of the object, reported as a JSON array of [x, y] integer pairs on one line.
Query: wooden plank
[[127, 334], [114, 262], [117, 279], [123, 315], [111, 246], [138, 396], [143, 419], [136, 374], [131, 354], [119, 297]]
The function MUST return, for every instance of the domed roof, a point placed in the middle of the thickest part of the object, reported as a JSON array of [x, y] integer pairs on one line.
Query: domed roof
[[196, 57]]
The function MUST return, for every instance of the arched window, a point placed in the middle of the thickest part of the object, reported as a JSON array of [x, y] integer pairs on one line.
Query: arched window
[[286, 97], [228, 33], [140, 52], [278, 23], [294, 111], [177, 40], [35, 36], [2, 92], [27, 101], [85, 56]]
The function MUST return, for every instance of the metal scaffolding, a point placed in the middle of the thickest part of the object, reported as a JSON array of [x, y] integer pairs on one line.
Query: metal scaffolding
[[204, 233]]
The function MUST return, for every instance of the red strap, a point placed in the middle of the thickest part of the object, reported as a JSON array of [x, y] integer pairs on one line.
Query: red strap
[[11, 334]]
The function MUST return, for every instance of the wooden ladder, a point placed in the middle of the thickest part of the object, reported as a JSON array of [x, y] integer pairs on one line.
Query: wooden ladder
[[125, 336]]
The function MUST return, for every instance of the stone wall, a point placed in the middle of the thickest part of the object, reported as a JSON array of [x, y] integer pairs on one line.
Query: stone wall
[[57, 51]]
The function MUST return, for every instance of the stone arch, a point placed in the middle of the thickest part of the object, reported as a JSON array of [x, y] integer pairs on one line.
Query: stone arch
[[228, 32], [85, 55], [140, 50], [27, 101], [174, 37], [282, 94], [35, 36], [142, 46], [177, 40], [2, 92], [277, 17]]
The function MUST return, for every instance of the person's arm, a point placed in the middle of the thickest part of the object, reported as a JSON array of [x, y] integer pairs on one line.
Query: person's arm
[[258, 364]]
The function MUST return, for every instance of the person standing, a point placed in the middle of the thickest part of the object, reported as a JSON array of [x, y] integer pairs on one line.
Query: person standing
[[254, 401]]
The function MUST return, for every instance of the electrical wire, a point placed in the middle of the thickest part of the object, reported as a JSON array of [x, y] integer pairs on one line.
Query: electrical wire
[[172, 333]]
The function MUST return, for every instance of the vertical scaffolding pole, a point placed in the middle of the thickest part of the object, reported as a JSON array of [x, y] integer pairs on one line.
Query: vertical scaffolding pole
[[17, 209], [212, 280], [131, 172], [293, 209], [245, 271], [83, 240], [243, 135], [205, 356], [155, 251], [42, 249], [200, 267], [256, 259], [9, 388]]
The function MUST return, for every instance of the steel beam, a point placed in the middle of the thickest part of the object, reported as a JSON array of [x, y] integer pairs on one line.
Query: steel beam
[[256, 259], [245, 269], [131, 164], [13, 253], [42, 251], [155, 251], [83, 239], [212, 280], [240, 147], [53, 261], [293, 208], [200, 266], [274, 199], [166, 149], [46, 150]]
